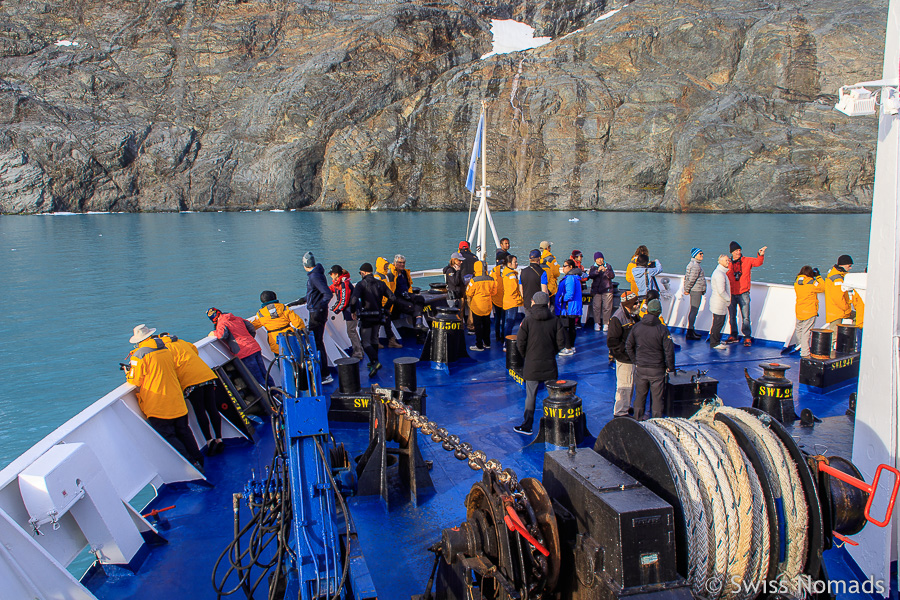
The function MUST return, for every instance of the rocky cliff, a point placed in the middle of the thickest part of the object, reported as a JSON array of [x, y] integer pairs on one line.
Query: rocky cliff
[[215, 104]]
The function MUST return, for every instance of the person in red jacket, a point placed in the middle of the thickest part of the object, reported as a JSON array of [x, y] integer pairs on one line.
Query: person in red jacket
[[739, 278], [239, 335], [342, 290]]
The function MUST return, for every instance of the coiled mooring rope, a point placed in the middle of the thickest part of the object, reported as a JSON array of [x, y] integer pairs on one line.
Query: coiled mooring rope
[[725, 512]]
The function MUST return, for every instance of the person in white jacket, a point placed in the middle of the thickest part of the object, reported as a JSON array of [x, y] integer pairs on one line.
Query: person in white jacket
[[719, 301]]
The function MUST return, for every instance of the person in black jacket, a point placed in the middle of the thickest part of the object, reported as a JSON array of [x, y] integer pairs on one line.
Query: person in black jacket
[[651, 349], [318, 294], [366, 305], [533, 278], [539, 339], [601, 276], [456, 287], [620, 325]]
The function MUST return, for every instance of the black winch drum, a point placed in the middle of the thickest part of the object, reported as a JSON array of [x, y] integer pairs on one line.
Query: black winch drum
[[563, 416], [438, 287], [820, 344], [348, 375], [405, 373], [846, 339], [514, 360]]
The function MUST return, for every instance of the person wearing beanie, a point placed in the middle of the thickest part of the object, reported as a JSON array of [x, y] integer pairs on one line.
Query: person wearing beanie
[[652, 351], [468, 272], [539, 339], [601, 276], [533, 278], [318, 295], [695, 287], [739, 278], [276, 318], [719, 300], [240, 337], [370, 299], [837, 301], [343, 291], [620, 325]]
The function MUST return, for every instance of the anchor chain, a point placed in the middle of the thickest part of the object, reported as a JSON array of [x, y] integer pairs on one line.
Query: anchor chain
[[476, 459]]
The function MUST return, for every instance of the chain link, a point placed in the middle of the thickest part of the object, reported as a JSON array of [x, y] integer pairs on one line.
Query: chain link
[[476, 459]]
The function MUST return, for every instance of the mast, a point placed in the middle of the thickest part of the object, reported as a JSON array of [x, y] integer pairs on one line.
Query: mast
[[478, 235], [875, 434]]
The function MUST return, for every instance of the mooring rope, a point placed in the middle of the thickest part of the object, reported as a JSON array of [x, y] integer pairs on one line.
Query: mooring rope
[[725, 511]]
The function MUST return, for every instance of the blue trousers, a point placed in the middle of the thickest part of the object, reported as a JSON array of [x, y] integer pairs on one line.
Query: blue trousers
[[499, 323], [511, 315], [257, 368], [742, 301]]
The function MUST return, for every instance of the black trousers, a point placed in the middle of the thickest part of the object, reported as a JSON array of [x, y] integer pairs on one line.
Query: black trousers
[[317, 325], [178, 433], [499, 323], [715, 330], [569, 323], [482, 324], [368, 335], [653, 380], [203, 400]]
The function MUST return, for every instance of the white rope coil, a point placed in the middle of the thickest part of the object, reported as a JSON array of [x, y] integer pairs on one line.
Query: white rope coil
[[724, 507]]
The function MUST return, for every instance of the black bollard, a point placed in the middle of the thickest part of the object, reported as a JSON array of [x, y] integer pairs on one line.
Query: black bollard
[[405, 373], [820, 344], [563, 417], [773, 393], [846, 339], [514, 360], [446, 340], [348, 375]]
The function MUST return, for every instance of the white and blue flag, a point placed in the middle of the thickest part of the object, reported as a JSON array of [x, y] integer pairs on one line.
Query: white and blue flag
[[476, 153]]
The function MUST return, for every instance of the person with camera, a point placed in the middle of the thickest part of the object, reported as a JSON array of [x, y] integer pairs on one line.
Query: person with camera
[[807, 287], [318, 295], [368, 302]]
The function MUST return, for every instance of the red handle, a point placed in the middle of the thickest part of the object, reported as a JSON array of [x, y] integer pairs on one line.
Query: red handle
[[514, 523], [869, 489], [156, 511], [844, 539]]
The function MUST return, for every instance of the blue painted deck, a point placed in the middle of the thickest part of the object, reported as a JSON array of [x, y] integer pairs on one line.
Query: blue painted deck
[[478, 402]]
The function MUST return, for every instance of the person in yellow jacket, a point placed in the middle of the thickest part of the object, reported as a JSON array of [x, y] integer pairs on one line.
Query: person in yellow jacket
[[151, 369], [497, 298], [629, 276], [807, 287], [198, 384], [549, 264], [512, 294], [837, 301], [479, 293], [382, 273], [859, 305], [276, 318]]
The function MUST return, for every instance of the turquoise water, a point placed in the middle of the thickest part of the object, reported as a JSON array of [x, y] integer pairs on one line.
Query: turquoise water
[[74, 286]]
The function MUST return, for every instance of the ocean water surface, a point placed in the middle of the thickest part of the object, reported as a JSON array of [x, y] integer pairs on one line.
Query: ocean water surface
[[74, 286]]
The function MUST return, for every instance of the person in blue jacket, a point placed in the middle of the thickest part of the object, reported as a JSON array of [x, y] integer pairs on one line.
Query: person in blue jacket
[[568, 303], [644, 271], [318, 295]]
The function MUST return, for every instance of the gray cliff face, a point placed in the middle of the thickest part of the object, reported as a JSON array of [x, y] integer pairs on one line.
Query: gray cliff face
[[212, 105]]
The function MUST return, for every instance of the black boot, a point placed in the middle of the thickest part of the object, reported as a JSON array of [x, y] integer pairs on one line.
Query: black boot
[[693, 335]]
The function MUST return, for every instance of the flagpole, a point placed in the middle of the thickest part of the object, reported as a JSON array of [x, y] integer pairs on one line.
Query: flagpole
[[482, 231]]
